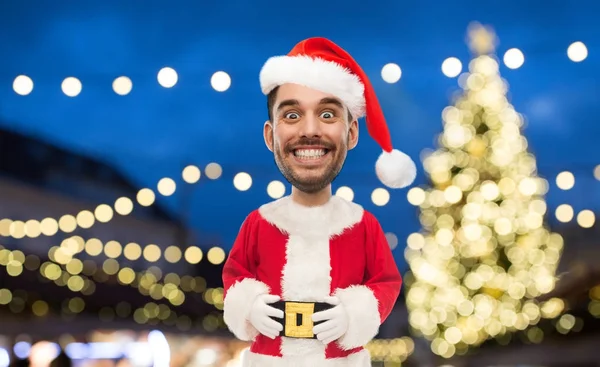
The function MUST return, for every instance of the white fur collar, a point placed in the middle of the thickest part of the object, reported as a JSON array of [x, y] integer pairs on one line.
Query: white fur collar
[[330, 219]]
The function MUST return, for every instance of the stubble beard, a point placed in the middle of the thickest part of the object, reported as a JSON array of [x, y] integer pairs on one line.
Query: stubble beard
[[314, 184]]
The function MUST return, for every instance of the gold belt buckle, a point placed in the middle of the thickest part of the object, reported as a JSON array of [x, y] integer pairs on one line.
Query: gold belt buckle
[[298, 319]]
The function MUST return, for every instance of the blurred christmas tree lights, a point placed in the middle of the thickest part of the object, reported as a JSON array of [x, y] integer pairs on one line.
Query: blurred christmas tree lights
[[484, 253]]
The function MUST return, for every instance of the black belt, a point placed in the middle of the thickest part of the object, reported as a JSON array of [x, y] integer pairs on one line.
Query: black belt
[[297, 320]]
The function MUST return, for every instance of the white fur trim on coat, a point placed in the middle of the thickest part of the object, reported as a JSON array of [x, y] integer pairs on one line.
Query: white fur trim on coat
[[363, 314], [316, 73], [237, 306], [298, 284], [359, 359], [327, 220]]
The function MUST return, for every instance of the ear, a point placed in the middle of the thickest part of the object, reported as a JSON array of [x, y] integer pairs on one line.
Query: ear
[[353, 135], [268, 135]]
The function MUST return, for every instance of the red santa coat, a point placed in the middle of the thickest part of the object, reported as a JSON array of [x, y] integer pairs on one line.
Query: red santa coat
[[305, 254]]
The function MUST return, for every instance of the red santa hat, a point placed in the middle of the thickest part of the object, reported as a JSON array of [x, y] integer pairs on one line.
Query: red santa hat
[[322, 65]]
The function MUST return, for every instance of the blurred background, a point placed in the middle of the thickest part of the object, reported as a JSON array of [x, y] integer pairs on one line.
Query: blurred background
[[131, 150]]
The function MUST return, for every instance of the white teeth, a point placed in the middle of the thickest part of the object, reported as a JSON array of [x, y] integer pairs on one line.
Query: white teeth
[[309, 153]]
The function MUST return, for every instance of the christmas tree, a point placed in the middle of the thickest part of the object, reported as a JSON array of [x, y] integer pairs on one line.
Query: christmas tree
[[484, 252]]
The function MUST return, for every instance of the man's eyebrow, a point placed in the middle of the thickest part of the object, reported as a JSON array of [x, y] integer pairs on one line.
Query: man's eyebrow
[[286, 103], [335, 101], [294, 102]]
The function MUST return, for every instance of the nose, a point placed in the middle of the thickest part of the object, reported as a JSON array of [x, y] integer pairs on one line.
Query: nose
[[311, 127]]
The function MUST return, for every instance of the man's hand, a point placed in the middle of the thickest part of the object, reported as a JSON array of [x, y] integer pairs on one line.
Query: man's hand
[[261, 313], [336, 321]]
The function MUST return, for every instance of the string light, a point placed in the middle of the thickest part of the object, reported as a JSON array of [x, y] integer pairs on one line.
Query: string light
[[380, 196], [122, 85], [391, 73], [167, 77], [103, 213], [586, 218], [564, 213], [216, 255], [63, 257], [213, 171], [451, 67], [23, 85], [123, 206], [148, 280], [242, 181], [191, 174], [345, 192], [276, 189], [565, 180], [483, 254], [514, 58], [166, 186], [71, 86], [145, 197], [220, 81], [577, 51]]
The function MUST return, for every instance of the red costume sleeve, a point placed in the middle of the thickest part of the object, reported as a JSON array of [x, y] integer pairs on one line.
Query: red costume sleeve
[[240, 285], [369, 304]]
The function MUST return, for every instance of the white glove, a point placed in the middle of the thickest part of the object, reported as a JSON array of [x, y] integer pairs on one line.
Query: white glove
[[260, 316], [336, 321]]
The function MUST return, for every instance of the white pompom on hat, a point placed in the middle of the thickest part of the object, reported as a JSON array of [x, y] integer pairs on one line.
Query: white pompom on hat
[[320, 64]]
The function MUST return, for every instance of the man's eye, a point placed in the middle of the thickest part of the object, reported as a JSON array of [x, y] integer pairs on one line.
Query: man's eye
[[291, 115], [327, 115]]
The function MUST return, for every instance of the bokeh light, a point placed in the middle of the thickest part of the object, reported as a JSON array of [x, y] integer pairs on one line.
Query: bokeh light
[[514, 58], [391, 73]]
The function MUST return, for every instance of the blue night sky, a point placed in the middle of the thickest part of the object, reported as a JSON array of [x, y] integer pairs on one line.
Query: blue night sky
[[153, 132]]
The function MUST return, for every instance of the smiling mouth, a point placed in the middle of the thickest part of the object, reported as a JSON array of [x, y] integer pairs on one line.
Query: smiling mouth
[[310, 154]]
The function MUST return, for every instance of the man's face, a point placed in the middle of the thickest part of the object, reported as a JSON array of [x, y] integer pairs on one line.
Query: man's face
[[310, 136]]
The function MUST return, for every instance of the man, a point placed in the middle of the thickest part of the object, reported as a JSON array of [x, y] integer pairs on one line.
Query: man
[[310, 277]]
